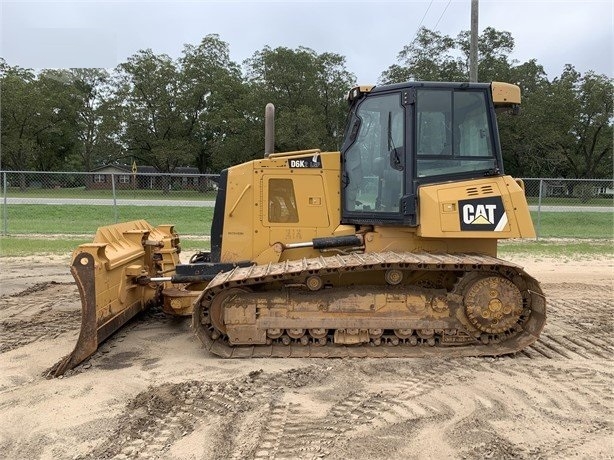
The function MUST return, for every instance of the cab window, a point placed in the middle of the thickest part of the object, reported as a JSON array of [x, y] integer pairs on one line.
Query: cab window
[[453, 134], [374, 162]]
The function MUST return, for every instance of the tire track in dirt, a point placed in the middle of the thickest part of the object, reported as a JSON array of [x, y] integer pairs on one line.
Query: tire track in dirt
[[46, 324], [577, 328], [428, 401], [482, 430], [305, 435], [371, 408], [563, 405], [268, 441], [161, 415], [37, 313], [157, 417]]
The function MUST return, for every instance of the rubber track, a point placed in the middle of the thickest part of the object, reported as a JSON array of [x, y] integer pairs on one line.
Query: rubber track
[[288, 270]]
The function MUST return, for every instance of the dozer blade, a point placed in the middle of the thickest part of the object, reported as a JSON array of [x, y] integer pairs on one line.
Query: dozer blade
[[111, 277]]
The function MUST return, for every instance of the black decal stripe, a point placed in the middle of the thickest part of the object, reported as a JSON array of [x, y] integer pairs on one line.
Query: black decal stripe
[[217, 226]]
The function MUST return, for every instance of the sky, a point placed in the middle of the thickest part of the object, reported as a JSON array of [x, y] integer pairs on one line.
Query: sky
[[370, 34]]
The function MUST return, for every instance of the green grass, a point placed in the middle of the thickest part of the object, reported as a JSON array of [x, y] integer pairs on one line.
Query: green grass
[[82, 193], [24, 246], [558, 248], [33, 222], [12, 246], [574, 224], [85, 219], [570, 201]]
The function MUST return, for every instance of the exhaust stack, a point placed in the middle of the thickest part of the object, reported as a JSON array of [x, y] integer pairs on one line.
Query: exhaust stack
[[269, 129]]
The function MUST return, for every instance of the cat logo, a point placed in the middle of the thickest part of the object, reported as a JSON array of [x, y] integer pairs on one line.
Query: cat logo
[[483, 214]]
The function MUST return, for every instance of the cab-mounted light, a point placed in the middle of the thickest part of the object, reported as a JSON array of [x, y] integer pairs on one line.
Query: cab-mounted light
[[358, 91]]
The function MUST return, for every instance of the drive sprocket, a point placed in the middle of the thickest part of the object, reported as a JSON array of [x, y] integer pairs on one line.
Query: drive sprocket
[[493, 304]]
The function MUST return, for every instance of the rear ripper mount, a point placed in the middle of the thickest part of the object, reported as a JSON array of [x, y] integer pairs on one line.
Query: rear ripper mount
[[414, 305]]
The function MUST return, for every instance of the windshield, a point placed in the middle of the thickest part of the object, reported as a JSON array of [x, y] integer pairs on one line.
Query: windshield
[[453, 134], [374, 162]]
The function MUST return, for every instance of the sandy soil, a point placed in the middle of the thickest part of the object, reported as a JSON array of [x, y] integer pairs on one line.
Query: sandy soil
[[152, 392]]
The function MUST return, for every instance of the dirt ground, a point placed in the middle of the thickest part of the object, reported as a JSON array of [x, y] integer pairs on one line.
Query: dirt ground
[[152, 392]]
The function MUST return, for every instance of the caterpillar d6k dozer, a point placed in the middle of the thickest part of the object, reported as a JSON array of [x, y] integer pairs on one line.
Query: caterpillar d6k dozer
[[386, 248]]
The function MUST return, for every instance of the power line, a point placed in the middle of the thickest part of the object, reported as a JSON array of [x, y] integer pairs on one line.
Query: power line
[[421, 21], [444, 12], [425, 13]]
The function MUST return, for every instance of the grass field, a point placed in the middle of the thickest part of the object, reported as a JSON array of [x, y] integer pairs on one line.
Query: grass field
[[85, 219], [571, 201], [558, 248], [57, 229], [574, 224], [82, 193], [136, 194]]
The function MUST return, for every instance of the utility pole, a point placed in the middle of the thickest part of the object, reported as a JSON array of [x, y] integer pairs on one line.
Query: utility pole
[[473, 46]]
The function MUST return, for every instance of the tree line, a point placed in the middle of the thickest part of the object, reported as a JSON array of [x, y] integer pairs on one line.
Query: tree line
[[204, 110]]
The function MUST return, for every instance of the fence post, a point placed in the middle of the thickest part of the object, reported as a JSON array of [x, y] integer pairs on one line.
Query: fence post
[[539, 209], [5, 209], [114, 196]]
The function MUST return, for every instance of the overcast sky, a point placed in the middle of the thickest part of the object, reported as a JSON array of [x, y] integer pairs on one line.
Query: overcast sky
[[370, 34]]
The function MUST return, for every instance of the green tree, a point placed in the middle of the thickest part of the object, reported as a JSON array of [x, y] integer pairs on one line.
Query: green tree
[[20, 119], [527, 140], [565, 128], [334, 82], [211, 95], [588, 125], [431, 56], [156, 131], [183, 112], [96, 118], [308, 90], [38, 119], [494, 49]]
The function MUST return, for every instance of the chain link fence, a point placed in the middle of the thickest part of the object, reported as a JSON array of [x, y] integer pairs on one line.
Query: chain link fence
[[77, 203], [571, 208]]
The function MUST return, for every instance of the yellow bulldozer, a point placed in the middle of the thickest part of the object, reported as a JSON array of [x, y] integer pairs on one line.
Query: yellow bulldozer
[[387, 247]]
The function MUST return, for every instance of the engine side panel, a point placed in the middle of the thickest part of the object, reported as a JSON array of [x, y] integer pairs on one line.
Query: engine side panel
[[285, 198], [493, 207]]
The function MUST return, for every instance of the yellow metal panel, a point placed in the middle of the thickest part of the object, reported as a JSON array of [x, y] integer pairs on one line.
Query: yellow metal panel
[[450, 196], [483, 208], [309, 196], [519, 204], [407, 239], [505, 94], [248, 233], [241, 204], [310, 202]]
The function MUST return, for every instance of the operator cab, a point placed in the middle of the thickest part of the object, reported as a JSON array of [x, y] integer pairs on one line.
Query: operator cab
[[405, 135]]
